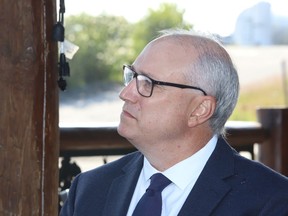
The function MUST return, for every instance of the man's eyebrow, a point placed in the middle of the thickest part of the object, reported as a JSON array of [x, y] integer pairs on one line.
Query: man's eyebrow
[[139, 72]]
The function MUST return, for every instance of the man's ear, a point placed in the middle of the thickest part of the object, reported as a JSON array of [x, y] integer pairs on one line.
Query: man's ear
[[203, 111]]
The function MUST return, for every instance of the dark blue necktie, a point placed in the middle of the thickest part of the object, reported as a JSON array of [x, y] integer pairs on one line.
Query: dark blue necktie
[[150, 203]]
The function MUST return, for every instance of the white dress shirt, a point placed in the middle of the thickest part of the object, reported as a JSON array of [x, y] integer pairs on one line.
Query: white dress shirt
[[183, 176]]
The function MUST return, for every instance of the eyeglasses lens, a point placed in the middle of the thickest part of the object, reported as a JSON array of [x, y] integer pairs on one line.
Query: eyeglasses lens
[[128, 76], [144, 85]]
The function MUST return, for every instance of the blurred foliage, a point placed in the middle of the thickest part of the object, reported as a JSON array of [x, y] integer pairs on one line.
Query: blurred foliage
[[166, 17], [106, 42], [103, 44]]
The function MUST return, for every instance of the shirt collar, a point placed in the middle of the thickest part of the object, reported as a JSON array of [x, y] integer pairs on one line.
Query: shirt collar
[[186, 171]]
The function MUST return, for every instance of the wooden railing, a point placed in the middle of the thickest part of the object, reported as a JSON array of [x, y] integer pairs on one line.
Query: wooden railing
[[270, 132]]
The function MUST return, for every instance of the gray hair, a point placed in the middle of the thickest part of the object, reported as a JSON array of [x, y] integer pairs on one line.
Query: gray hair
[[213, 70]]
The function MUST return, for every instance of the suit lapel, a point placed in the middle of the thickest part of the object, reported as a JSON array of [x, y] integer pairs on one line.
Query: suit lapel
[[210, 188], [122, 188]]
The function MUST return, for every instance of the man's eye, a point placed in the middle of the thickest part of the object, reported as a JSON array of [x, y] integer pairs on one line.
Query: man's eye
[[147, 83]]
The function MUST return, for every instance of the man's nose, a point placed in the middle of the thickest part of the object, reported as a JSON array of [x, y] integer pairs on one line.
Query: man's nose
[[129, 92]]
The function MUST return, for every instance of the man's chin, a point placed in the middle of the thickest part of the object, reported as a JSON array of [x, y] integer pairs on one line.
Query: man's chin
[[122, 130], [125, 132]]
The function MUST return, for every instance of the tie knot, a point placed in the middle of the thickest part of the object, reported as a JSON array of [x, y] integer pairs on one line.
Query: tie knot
[[158, 182]]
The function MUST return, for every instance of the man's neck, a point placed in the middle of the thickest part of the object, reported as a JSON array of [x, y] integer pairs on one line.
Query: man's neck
[[167, 155]]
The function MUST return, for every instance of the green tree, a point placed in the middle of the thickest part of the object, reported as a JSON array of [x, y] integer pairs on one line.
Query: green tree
[[104, 43], [168, 16]]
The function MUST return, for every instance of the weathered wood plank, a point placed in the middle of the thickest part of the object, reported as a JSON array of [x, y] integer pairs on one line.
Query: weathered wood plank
[[274, 151], [28, 109], [93, 137]]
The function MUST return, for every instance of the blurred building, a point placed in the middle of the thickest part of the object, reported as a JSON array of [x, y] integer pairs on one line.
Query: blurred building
[[259, 26], [254, 26]]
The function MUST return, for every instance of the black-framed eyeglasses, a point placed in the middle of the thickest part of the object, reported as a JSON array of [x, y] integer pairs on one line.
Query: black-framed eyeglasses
[[145, 84]]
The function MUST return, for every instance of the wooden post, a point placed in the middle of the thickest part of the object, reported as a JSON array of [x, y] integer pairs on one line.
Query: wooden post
[[274, 151], [29, 135]]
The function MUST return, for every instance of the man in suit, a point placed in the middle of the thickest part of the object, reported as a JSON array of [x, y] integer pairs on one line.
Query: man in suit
[[178, 95]]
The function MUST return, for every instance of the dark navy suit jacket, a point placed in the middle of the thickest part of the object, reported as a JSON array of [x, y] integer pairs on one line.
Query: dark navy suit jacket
[[229, 185]]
